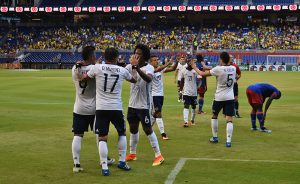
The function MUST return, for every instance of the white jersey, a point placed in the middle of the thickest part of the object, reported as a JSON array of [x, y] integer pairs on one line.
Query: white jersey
[[179, 68], [85, 101], [109, 79], [225, 79], [140, 92], [190, 82], [158, 83]]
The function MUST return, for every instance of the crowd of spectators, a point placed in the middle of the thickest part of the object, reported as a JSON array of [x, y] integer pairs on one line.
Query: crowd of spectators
[[176, 38]]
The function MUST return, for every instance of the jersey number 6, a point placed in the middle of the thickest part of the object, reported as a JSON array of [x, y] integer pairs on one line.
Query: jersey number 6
[[229, 80]]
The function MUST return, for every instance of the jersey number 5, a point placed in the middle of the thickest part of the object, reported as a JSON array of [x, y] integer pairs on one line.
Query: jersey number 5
[[229, 81], [114, 85]]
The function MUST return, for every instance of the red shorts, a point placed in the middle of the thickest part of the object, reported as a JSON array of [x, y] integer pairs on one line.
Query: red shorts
[[202, 90], [254, 98]]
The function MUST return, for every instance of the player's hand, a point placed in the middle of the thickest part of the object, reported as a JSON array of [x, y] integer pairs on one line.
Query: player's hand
[[134, 61], [79, 64]]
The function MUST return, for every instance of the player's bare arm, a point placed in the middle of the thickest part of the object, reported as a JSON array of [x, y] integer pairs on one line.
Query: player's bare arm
[[205, 73], [172, 68]]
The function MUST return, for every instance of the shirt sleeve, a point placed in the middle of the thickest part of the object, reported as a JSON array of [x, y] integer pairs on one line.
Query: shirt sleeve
[[129, 68], [215, 71], [127, 75], [92, 72], [150, 70]]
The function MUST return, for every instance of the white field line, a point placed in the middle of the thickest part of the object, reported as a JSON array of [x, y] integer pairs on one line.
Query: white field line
[[172, 176]]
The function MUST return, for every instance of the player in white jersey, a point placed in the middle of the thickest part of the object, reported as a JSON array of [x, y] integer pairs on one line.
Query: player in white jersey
[[158, 90], [182, 64], [224, 96], [85, 104], [140, 102], [109, 78], [188, 86]]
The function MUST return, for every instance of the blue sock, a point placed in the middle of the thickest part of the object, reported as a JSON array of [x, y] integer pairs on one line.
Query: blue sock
[[260, 117], [253, 119], [200, 102]]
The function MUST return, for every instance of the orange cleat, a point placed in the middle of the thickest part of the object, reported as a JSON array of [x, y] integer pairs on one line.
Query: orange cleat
[[158, 160], [130, 157]]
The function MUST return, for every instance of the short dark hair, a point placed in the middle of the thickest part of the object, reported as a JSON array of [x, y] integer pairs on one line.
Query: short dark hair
[[87, 52], [145, 49], [199, 58], [225, 57], [111, 54]]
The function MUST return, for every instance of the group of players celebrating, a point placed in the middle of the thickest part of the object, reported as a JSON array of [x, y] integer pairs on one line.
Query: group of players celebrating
[[98, 99]]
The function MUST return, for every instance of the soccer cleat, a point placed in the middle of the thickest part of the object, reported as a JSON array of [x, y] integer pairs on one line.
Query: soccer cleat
[[178, 100], [110, 161], [105, 172], [131, 157], [264, 129], [158, 160], [237, 115], [254, 129], [228, 144], [192, 123], [201, 112], [214, 140], [185, 124], [123, 165], [77, 168], [164, 136]]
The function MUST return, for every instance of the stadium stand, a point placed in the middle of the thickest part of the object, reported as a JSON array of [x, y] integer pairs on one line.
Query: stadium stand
[[59, 3], [216, 2], [272, 2], [162, 3], [111, 3]]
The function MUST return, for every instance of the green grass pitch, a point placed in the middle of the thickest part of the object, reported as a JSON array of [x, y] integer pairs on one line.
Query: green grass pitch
[[35, 136]]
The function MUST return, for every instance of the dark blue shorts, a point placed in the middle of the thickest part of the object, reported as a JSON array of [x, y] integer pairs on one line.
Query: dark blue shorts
[[158, 102], [81, 123], [190, 100], [103, 119], [139, 115], [227, 106]]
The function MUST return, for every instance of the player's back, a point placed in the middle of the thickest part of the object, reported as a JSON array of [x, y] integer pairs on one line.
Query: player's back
[[85, 101], [266, 90], [226, 76], [109, 79], [190, 82]]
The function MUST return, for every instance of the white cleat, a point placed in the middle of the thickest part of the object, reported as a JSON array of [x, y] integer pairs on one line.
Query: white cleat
[[77, 168]]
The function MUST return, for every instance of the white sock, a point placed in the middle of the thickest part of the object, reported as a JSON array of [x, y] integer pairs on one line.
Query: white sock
[[229, 130], [193, 114], [186, 115], [122, 145], [154, 143], [214, 127], [76, 147], [134, 139], [160, 125], [103, 152]]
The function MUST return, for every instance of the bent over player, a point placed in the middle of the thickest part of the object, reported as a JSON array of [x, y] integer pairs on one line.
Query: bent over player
[[257, 94]]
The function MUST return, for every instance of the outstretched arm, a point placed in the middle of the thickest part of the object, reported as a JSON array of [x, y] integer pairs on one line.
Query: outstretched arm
[[267, 106], [161, 68], [172, 68], [205, 73]]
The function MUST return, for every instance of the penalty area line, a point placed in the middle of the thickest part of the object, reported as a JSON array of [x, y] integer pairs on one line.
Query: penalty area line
[[172, 176]]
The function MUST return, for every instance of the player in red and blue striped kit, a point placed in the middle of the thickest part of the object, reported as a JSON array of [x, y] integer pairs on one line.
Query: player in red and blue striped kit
[[257, 94]]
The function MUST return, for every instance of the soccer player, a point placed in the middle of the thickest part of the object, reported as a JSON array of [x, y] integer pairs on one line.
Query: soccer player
[[236, 87], [85, 104], [140, 103], [182, 64], [202, 84], [257, 94], [224, 97], [188, 85], [109, 78], [158, 90]]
